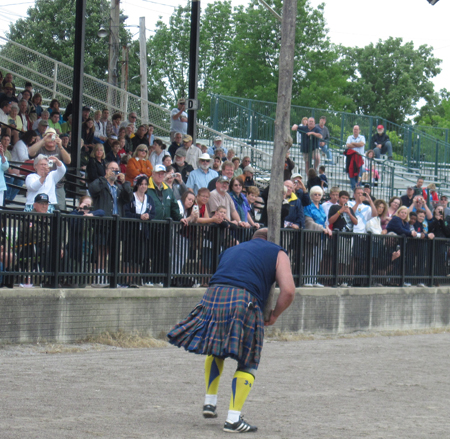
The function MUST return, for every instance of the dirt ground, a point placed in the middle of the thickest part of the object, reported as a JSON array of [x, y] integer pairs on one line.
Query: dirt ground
[[379, 387]]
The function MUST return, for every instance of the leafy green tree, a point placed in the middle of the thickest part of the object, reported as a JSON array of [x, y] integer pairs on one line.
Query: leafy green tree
[[50, 30], [389, 78]]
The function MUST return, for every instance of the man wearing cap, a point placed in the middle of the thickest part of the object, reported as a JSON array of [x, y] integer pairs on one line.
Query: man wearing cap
[[227, 171], [381, 143], [311, 134], [192, 152], [201, 176], [52, 146], [217, 144], [408, 198], [220, 197], [180, 165], [165, 203], [178, 119]]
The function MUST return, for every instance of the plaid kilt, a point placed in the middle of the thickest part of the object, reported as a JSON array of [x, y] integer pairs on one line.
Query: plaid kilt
[[223, 325]]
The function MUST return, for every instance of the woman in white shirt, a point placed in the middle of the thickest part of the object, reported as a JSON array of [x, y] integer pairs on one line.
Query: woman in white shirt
[[158, 153], [44, 181]]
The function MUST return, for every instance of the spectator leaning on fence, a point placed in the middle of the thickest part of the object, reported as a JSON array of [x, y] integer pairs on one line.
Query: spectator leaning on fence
[[399, 223]]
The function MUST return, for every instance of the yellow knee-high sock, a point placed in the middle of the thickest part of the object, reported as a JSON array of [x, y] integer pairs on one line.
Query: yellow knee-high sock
[[240, 388], [213, 371]]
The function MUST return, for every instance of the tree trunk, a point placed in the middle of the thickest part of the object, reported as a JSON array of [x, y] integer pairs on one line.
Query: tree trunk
[[283, 139]]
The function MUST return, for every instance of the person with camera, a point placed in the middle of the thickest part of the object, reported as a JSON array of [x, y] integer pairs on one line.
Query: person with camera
[[52, 146], [419, 203], [175, 181]]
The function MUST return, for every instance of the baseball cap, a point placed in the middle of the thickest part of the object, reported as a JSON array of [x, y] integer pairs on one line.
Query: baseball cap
[[181, 152], [380, 127], [187, 138], [86, 108], [367, 186], [217, 138], [159, 168], [181, 101], [8, 85], [297, 175], [410, 187], [44, 123], [223, 179], [41, 198]]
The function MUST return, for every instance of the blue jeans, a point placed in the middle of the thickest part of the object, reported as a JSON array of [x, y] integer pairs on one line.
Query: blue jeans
[[354, 181], [325, 148], [11, 192]]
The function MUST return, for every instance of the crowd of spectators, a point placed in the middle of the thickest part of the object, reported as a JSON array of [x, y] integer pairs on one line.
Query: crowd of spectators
[[131, 173]]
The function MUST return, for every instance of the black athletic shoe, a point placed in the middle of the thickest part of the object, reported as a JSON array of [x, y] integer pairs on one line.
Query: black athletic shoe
[[239, 427], [209, 411]]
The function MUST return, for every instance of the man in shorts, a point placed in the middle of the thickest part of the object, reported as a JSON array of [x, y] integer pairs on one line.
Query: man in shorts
[[228, 321]]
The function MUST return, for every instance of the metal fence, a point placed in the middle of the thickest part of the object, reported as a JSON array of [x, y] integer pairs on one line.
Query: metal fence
[[71, 250], [253, 121]]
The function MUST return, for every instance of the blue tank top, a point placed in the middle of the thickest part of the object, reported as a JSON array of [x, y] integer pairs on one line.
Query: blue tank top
[[250, 265]]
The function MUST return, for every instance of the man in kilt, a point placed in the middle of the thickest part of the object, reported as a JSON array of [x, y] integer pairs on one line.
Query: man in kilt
[[228, 321]]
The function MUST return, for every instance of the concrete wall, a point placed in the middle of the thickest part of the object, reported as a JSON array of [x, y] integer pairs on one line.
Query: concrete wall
[[70, 315]]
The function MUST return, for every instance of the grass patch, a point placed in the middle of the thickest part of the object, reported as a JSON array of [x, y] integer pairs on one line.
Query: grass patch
[[123, 339]]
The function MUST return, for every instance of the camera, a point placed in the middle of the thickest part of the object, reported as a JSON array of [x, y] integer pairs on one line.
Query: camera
[[397, 248], [50, 163], [116, 172], [173, 175], [195, 208], [53, 136]]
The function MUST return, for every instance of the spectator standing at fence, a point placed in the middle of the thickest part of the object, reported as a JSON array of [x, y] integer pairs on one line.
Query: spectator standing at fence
[[166, 205], [220, 197], [141, 206], [44, 181], [341, 216], [399, 223], [292, 215], [419, 226], [374, 224], [241, 204], [381, 144], [52, 146], [393, 205], [234, 305], [311, 136], [419, 203], [180, 166], [362, 212], [334, 199], [201, 176], [407, 199]]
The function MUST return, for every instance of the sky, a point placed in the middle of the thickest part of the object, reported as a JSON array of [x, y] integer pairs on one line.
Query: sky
[[350, 22]]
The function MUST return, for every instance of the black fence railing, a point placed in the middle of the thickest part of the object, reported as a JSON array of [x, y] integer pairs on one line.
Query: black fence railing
[[61, 249]]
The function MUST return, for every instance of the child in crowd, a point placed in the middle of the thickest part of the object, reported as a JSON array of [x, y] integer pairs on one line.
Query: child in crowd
[[313, 179], [323, 177], [421, 227], [412, 220]]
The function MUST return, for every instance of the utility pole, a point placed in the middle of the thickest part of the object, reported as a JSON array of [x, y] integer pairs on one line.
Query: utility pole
[[143, 64], [124, 81], [193, 68], [114, 48], [283, 139]]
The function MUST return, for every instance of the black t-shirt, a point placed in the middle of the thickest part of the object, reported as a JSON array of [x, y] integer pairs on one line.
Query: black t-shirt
[[343, 223], [406, 201]]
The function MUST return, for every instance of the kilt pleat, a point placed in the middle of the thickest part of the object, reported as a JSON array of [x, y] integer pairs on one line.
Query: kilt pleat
[[223, 325]]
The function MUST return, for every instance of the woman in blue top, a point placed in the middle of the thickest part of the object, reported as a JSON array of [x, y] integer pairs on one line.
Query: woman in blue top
[[399, 223], [241, 203], [315, 219]]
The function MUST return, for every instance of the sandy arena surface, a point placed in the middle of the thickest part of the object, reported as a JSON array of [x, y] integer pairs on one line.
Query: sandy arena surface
[[379, 387]]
